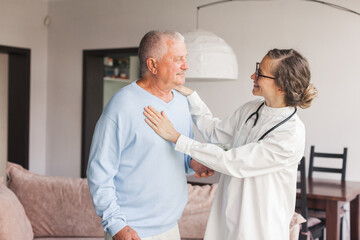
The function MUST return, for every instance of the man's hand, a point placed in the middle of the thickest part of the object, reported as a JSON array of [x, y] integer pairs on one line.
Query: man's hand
[[127, 233], [200, 170]]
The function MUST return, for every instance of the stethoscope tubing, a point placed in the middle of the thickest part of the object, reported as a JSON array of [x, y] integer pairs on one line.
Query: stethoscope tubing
[[256, 113]]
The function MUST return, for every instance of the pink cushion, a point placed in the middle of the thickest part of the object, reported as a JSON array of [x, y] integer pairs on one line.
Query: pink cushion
[[56, 206], [70, 238], [313, 221], [14, 224], [193, 222]]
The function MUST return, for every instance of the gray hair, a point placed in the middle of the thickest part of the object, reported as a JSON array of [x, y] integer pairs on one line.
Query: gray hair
[[292, 73], [153, 45]]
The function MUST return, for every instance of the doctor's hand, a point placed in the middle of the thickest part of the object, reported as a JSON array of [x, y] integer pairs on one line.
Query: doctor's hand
[[200, 170], [161, 124], [127, 233], [184, 90]]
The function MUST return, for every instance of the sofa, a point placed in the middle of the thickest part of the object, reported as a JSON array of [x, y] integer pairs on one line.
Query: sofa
[[41, 207]]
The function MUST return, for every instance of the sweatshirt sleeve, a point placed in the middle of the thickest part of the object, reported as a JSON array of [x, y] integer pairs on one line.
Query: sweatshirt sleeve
[[278, 149], [212, 129], [103, 163], [188, 168]]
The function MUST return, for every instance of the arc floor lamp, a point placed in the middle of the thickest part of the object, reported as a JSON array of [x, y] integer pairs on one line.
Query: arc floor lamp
[[211, 58]]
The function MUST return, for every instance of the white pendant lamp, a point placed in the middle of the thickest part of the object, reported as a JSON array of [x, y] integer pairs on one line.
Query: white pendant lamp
[[210, 58]]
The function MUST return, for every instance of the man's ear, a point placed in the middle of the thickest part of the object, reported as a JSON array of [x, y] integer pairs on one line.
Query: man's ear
[[152, 65]]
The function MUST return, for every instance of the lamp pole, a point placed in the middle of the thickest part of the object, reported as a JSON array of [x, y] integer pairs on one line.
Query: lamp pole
[[315, 1]]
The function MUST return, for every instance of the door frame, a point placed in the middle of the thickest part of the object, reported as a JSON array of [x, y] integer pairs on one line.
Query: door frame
[[18, 104], [93, 95]]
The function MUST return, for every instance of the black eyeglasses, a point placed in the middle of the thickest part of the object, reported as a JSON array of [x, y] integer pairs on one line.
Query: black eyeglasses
[[257, 74]]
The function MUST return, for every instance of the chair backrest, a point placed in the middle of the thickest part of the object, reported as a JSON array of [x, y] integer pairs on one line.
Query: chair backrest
[[341, 156], [301, 203]]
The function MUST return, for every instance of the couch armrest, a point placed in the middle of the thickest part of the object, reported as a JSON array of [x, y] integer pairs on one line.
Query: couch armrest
[[193, 222]]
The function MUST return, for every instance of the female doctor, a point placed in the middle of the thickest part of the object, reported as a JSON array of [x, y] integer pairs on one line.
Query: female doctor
[[256, 194]]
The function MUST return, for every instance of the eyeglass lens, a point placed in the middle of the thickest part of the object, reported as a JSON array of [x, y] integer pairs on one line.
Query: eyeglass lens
[[257, 74], [257, 71]]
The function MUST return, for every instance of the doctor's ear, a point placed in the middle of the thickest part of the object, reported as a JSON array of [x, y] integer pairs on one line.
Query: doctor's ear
[[280, 90], [152, 65]]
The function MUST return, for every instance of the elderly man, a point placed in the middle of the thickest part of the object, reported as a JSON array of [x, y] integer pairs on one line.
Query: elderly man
[[137, 180]]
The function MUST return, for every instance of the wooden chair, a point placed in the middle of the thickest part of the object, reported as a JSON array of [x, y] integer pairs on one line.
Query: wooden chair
[[313, 226], [341, 156], [312, 168]]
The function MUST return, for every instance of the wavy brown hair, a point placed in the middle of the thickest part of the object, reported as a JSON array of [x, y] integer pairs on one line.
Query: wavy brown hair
[[292, 73]]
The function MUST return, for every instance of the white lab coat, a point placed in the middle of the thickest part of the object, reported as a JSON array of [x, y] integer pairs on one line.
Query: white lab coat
[[255, 199]]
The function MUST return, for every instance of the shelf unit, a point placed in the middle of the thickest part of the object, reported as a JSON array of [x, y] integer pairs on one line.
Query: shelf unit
[[117, 79]]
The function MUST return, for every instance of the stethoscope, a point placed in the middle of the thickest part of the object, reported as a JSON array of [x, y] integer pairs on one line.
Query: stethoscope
[[256, 113]]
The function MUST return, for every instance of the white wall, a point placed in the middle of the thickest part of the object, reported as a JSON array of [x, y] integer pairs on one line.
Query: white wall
[[21, 25], [329, 38], [4, 59], [93, 24]]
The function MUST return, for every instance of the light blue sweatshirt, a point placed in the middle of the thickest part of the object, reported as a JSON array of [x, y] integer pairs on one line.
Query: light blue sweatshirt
[[135, 177]]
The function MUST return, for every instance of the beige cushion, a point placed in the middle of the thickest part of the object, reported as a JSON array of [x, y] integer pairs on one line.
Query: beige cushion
[[56, 206], [14, 224], [193, 222]]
